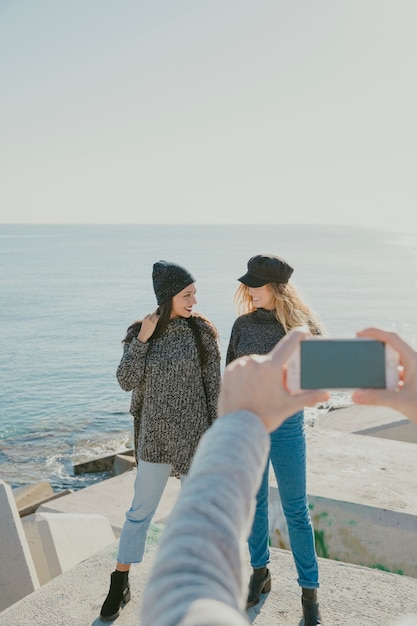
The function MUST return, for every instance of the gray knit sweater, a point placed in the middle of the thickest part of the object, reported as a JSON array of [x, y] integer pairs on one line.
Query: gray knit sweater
[[254, 333], [171, 404]]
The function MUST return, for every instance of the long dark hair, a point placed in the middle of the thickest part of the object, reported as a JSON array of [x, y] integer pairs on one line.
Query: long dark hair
[[164, 312], [202, 352]]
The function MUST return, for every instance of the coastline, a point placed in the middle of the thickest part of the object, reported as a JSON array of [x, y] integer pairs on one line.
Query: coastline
[[70, 400]]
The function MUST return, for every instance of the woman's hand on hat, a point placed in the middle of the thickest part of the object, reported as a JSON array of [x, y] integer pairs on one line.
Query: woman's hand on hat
[[257, 383], [403, 399], [147, 329]]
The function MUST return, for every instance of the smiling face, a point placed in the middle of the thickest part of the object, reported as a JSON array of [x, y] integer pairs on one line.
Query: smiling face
[[183, 302], [262, 297]]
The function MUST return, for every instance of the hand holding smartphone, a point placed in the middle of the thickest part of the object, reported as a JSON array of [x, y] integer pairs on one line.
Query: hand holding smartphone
[[342, 364]]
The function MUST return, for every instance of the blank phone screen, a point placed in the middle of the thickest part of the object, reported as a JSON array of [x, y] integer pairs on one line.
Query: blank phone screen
[[338, 363]]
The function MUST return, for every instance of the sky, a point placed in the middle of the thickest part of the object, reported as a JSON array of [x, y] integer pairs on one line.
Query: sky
[[208, 111]]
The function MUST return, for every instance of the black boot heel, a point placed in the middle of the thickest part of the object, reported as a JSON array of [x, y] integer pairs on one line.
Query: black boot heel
[[126, 598], [260, 582], [311, 613], [118, 596]]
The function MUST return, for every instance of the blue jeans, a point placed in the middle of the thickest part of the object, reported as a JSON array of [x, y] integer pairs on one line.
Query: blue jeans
[[150, 482], [288, 458]]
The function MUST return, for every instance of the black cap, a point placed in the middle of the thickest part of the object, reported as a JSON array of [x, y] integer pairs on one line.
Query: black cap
[[169, 279], [266, 268]]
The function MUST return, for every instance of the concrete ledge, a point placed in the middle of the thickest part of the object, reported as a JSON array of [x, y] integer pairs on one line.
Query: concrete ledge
[[36, 502], [101, 464], [112, 497], [354, 533], [29, 495], [371, 536], [58, 541], [123, 463]]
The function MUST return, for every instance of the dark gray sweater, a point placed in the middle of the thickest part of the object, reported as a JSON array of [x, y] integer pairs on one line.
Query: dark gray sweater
[[254, 333], [171, 405]]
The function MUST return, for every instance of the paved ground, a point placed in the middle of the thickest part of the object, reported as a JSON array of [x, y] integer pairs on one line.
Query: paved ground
[[350, 595]]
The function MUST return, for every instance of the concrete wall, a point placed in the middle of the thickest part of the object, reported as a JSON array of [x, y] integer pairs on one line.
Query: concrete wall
[[18, 575], [354, 533]]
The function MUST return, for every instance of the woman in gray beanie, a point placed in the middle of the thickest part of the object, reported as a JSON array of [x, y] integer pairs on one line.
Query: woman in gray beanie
[[171, 364], [270, 308]]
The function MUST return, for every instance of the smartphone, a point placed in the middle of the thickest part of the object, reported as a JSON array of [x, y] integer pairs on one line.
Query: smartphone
[[343, 364]]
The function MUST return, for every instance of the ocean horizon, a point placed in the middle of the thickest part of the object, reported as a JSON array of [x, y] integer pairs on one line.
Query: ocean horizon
[[68, 293]]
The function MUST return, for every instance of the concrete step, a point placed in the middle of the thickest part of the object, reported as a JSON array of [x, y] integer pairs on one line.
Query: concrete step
[[100, 464]]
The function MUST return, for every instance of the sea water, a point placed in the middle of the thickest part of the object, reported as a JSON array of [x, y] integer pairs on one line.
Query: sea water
[[68, 293]]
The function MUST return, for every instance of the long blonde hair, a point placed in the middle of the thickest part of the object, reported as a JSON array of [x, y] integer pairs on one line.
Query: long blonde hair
[[290, 309]]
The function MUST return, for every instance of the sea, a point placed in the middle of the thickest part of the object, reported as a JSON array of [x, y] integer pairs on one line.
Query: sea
[[69, 292]]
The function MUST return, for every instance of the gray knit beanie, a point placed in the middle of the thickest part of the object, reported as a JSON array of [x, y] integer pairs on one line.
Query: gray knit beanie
[[169, 279]]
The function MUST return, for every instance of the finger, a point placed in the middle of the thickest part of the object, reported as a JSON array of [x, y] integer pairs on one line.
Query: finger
[[382, 397], [310, 398], [386, 336], [375, 333], [406, 352]]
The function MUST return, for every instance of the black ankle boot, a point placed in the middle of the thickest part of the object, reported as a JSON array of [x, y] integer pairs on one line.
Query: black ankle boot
[[118, 596], [260, 582], [310, 606]]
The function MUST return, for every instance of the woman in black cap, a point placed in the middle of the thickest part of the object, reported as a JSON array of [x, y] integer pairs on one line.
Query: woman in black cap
[[171, 364], [270, 306]]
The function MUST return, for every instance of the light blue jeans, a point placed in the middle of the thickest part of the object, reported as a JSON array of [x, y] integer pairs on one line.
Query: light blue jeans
[[288, 459], [150, 482]]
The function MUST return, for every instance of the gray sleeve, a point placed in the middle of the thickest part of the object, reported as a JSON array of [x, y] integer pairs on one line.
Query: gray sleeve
[[231, 354], [211, 376], [130, 371], [197, 578]]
